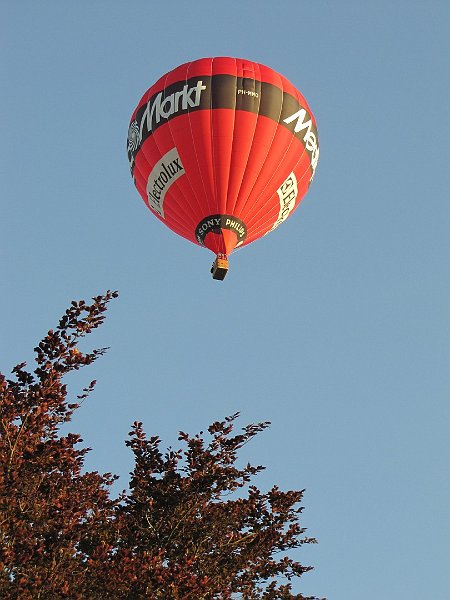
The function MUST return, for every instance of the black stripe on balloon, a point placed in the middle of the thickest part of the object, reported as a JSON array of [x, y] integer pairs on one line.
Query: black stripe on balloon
[[215, 223], [226, 91]]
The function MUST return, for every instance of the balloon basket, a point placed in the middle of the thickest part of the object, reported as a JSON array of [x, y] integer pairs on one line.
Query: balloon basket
[[219, 268]]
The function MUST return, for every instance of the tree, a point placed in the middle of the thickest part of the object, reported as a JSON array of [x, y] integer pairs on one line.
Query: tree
[[192, 525]]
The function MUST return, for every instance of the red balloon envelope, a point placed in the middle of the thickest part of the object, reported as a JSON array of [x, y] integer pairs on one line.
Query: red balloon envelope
[[222, 150]]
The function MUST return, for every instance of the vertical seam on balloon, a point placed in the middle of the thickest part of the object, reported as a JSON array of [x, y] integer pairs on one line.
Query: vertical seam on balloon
[[137, 168], [249, 223], [196, 155], [243, 207], [251, 144], [281, 112], [212, 130], [183, 212], [177, 183], [195, 147], [181, 203], [212, 145], [232, 138], [212, 138], [261, 225], [180, 224], [253, 222]]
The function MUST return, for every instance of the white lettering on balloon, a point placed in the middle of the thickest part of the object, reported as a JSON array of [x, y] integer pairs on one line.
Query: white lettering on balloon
[[164, 173], [310, 138], [287, 193]]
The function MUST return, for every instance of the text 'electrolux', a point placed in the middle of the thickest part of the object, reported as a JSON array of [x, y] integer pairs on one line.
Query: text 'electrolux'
[[167, 170]]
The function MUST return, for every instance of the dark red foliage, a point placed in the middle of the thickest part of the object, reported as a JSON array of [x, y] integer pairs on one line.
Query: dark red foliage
[[191, 527]]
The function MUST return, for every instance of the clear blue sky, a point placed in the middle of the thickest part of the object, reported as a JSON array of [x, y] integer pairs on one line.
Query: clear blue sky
[[335, 327]]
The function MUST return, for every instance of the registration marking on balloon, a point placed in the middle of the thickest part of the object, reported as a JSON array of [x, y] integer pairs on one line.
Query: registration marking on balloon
[[219, 91]]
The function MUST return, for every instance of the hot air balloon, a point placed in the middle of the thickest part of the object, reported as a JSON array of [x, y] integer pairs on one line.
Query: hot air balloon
[[222, 150]]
